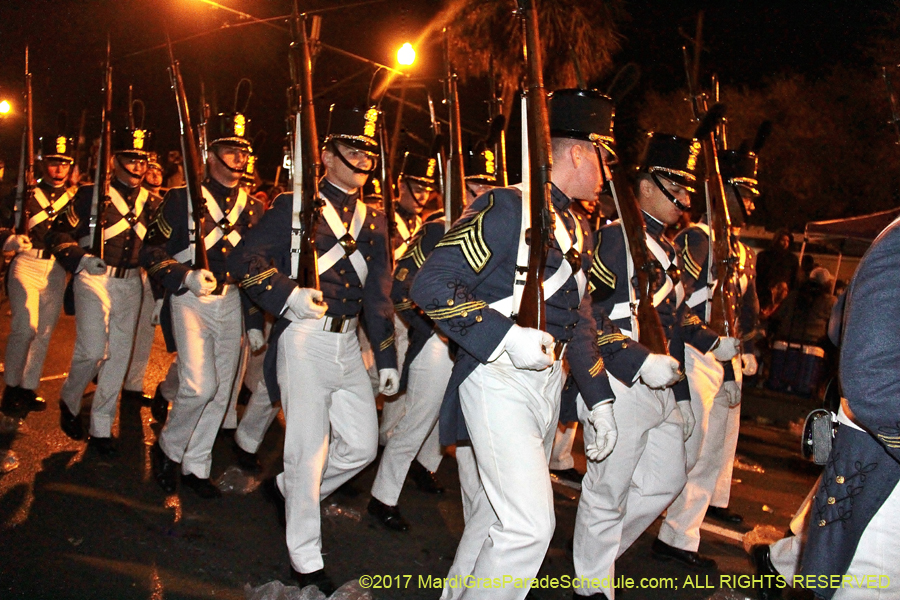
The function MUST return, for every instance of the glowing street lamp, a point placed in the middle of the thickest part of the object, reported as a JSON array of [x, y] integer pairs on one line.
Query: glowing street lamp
[[406, 55], [5, 108]]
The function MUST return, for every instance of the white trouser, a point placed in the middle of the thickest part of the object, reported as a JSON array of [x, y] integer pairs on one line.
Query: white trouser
[[250, 375], [477, 516], [143, 341], [230, 420], [785, 554], [561, 456], [331, 428], [259, 414], [106, 311], [428, 377], [35, 287], [623, 494], [722, 492], [168, 387], [703, 450], [511, 416], [394, 408], [877, 553], [208, 337]]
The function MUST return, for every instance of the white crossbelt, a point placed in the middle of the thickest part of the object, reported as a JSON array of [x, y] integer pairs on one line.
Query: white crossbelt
[[122, 206], [623, 309], [337, 252], [405, 234], [44, 202], [216, 234]]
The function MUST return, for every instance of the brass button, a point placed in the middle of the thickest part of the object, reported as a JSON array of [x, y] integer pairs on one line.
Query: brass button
[[346, 209], [342, 271], [822, 523], [624, 344], [450, 302], [464, 314], [839, 479], [372, 226], [268, 287], [478, 319], [831, 500], [224, 250], [346, 285], [343, 300]]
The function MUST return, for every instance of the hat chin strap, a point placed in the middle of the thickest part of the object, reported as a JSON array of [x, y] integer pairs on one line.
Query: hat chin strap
[[678, 204], [352, 167], [126, 169], [215, 153]]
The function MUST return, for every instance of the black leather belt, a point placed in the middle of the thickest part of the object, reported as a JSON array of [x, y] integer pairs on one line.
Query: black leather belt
[[220, 290], [121, 272], [337, 324]]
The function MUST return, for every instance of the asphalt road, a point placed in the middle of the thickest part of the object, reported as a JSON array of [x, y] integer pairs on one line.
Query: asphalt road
[[76, 526]]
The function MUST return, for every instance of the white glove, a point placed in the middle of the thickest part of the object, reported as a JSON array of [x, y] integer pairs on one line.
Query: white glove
[[750, 366], [660, 371], [17, 243], [529, 348], [732, 392], [388, 381], [92, 264], [305, 303], [687, 416], [157, 311], [605, 432], [201, 282], [256, 338], [727, 349]]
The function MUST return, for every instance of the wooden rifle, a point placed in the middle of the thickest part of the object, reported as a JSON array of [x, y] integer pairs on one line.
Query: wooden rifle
[[75, 175], [497, 136], [306, 162], [102, 177], [455, 177], [532, 311], [26, 182], [193, 169], [647, 269], [387, 188]]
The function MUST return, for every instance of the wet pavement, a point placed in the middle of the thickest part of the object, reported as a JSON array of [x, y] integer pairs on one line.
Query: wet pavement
[[76, 525]]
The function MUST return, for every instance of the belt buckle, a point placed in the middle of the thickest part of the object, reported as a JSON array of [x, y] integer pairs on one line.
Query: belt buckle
[[337, 324], [220, 289]]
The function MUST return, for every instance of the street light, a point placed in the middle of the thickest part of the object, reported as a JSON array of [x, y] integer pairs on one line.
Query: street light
[[406, 55], [5, 108]]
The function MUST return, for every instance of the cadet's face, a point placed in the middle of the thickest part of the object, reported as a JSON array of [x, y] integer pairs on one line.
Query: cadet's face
[[413, 202], [130, 169], [153, 177], [56, 169], [340, 174], [235, 157], [590, 173], [657, 205]]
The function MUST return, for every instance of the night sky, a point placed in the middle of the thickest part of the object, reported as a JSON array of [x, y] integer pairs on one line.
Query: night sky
[[746, 42]]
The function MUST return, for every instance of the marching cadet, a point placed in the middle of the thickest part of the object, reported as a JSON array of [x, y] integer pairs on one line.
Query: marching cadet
[[621, 496], [715, 384], [426, 370], [108, 291], [314, 366], [205, 307], [481, 172], [505, 386], [36, 281], [133, 390], [415, 184]]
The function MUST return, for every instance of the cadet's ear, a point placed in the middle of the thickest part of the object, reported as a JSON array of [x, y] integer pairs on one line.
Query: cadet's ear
[[646, 187]]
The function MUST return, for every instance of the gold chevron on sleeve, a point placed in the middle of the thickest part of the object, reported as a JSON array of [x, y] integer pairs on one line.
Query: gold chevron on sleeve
[[597, 368], [401, 306], [257, 279], [63, 246], [161, 265], [602, 273], [415, 253], [164, 227], [690, 320], [611, 338], [71, 215], [689, 263], [891, 441], [461, 310], [470, 239], [386, 344]]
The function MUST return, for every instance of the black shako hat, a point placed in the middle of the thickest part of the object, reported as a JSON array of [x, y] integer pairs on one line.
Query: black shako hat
[[230, 129], [582, 115], [132, 141], [418, 168], [740, 168], [355, 127], [57, 146], [481, 165], [672, 157]]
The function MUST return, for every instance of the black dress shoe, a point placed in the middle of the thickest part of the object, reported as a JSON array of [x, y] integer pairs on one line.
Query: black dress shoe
[[389, 516], [136, 396], [274, 496], [724, 515], [159, 407], [12, 405], [316, 578], [424, 479], [31, 401], [165, 470], [568, 477], [762, 564], [70, 424], [104, 446], [663, 551], [202, 487], [248, 461]]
